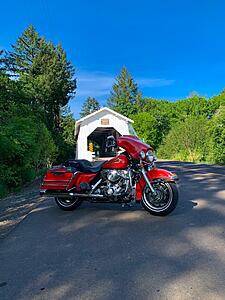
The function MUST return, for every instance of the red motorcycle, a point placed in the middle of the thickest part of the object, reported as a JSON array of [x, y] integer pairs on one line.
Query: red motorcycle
[[130, 176]]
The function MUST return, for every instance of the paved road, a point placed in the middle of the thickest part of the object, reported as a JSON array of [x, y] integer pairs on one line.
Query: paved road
[[101, 252]]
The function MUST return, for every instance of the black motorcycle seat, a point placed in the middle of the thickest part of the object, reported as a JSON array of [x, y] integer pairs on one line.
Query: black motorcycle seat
[[85, 166]]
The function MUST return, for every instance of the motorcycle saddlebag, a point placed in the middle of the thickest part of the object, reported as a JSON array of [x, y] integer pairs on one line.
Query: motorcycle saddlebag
[[58, 178]]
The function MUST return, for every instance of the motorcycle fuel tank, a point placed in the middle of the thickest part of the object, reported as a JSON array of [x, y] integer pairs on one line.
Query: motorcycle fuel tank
[[118, 162]]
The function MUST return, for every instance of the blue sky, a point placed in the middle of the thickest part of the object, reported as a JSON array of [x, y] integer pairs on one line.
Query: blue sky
[[170, 47]]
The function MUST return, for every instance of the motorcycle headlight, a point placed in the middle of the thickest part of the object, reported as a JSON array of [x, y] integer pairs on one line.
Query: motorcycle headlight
[[150, 156], [142, 155]]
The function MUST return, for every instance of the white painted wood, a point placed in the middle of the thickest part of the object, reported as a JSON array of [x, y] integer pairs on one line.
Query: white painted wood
[[86, 125]]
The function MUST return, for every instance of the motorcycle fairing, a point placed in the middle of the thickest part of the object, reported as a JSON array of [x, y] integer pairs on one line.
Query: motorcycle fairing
[[132, 145], [153, 175]]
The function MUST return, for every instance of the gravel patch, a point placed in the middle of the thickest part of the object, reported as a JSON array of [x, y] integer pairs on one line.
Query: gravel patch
[[15, 207]]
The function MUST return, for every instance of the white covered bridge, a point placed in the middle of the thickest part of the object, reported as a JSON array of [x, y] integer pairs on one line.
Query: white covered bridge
[[91, 132]]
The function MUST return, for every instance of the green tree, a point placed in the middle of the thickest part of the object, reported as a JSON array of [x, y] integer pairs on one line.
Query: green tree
[[217, 101], [6, 93], [151, 128], [192, 106], [65, 139], [20, 60], [36, 82], [163, 110], [157, 106], [43, 73], [90, 105], [125, 97]]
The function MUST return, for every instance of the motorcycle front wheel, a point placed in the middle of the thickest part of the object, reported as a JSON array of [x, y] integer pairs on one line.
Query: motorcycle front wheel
[[165, 200], [68, 203]]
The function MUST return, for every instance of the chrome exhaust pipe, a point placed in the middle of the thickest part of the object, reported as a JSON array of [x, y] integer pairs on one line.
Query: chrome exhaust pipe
[[45, 193], [86, 195]]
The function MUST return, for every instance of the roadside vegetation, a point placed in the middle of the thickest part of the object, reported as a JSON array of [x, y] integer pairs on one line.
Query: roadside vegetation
[[37, 127], [190, 129]]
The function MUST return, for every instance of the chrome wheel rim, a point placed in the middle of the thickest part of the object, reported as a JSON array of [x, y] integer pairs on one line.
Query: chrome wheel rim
[[163, 199]]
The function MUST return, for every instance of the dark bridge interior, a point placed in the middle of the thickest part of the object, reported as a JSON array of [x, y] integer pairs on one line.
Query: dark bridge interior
[[98, 138]]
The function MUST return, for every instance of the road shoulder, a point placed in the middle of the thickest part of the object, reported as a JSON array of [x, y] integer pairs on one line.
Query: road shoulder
[[15, 207]]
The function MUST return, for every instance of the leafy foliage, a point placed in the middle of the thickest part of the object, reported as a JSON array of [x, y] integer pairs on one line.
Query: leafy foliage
[[151, 128], [65, 137], [90, 105], [37, 128], [125, 97], [217, 137], [36, 83], [187, 140], [26, 147], [43, 73], [190, 129]]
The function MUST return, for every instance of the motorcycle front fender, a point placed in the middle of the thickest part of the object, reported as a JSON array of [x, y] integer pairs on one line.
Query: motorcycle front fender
[[152, 175]]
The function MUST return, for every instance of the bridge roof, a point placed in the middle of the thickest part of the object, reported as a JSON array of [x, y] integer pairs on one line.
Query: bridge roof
[[104, 109]]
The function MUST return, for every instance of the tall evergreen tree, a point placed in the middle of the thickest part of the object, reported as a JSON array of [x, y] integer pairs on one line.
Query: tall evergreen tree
[[89, 106], [43, 72], [20, 60], [125, 97]]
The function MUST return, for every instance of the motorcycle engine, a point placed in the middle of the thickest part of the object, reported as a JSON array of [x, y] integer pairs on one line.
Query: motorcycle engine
[[117, 182]]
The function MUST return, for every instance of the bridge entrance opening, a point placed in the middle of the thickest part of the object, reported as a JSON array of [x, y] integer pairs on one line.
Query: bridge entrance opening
[[97, 142]]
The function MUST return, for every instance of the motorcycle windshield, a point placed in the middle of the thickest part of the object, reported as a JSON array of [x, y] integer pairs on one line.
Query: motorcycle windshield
[[133, 145]]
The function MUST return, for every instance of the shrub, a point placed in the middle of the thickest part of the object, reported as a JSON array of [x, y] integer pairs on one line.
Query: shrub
[[187, 140], [151, 128], [217, 137], [26, 147]]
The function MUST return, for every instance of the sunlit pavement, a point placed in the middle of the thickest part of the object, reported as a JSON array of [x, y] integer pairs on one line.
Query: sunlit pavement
[[108, 252]]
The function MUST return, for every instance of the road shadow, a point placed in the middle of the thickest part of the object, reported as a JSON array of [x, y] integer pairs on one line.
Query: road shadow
[[109, 252]]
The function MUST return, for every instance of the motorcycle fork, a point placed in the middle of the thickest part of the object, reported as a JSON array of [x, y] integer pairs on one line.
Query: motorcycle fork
[[147, 181]]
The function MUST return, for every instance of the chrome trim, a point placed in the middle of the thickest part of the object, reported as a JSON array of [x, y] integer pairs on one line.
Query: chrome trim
[[175, 177], [147, 180], [72, 188], [130, 177], [69, 195], [42, 192], [86, 195], [95, 185], [71, 179]]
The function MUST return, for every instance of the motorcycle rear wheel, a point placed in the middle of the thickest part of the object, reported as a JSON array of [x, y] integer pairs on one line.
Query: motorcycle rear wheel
[[68, 204], [166, 200]]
